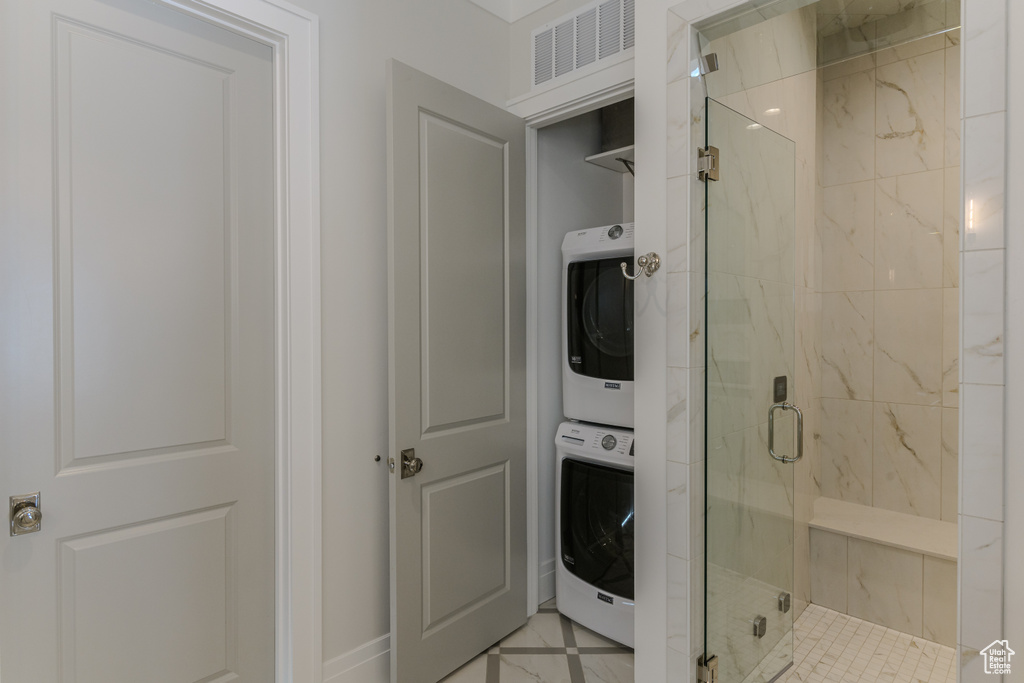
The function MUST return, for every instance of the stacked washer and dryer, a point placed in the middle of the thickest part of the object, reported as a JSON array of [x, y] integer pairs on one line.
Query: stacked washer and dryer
[[594, 577]]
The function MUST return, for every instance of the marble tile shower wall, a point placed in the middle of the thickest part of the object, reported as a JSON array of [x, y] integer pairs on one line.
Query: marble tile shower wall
[[890, 232], [982, 285]]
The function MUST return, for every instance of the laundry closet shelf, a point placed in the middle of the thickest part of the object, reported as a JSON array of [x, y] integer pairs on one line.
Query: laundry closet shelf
[[610, 159]]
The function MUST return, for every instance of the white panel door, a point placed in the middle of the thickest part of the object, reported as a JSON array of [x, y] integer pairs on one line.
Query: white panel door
[[458, 374], [136, 345]]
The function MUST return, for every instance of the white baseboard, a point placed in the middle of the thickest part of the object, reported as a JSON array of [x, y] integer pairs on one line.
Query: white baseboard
[[368, 663], [546, 581]]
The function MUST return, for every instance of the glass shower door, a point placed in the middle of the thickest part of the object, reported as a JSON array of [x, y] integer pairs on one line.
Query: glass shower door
[[750, 229]]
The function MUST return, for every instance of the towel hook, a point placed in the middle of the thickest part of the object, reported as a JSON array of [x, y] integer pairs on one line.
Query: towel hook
[[649, 263]]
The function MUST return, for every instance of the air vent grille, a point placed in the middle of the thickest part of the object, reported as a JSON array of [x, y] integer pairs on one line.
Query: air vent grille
[[594, 32], [543, 59]]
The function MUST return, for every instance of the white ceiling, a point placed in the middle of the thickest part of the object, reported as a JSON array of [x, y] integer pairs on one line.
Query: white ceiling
[[512, 10]]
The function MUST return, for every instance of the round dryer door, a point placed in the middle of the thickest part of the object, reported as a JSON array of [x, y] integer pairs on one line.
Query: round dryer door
[[600, 319]]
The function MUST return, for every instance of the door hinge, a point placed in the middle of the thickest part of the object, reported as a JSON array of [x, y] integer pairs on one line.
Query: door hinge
[[707, 669], [707, 163]]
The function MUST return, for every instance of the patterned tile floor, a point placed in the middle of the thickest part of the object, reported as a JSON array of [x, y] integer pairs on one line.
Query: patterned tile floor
[[830, 648], [838, 648], [550, 649]]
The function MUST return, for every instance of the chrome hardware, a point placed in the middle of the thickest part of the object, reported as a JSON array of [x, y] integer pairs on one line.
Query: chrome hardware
[[26, 517], [411, 465], [708, 63], [784, 602], [799, 431], [707, 163], [707, 669], [391, 465], [760, 625], [649, 263]]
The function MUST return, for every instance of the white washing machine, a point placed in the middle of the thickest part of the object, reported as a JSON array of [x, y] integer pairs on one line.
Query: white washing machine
[[594, 575], [597, 325]]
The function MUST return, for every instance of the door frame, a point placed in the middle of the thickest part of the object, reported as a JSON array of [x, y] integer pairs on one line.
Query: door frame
[[293, 35]]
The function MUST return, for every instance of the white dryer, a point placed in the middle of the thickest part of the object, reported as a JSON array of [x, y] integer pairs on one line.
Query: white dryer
[[594, 575], [597, 325]]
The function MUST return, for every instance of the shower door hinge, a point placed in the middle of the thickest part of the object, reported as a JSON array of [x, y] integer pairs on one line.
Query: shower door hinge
[[707, 669], [707, 163]]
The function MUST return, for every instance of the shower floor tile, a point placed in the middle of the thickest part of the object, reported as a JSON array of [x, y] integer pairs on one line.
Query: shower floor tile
[[549, 649], [839, 648]]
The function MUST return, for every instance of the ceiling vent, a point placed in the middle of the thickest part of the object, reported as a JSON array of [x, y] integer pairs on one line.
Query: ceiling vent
[[594, 32]]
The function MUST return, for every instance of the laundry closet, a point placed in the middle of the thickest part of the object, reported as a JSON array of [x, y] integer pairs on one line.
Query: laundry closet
[[584, 208]]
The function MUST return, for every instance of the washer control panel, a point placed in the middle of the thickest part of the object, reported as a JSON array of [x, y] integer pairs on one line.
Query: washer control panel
[[593, 437]]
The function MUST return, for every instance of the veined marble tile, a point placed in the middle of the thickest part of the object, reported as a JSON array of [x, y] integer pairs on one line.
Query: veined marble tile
[[696, 411], [907, 466], [677, 149], [677, 419], [678, 49], [984, 181], [848, 237], [677, 302], [847, 344], [677, 608], [939, 608], [617, 668], [909, 121], [951, 347], [849, 66], [828, 570], [542, 630], [982, 457], [695, 529], [952, 113], [908, 231], [908, 346], [885, 586], [848, 129], [808, 238], [677, 509], [846, 447], [914, 48], [984, 35], [533, 668], [952, 210], [950, 464], [677, 192], [983, 284], [981, 581]]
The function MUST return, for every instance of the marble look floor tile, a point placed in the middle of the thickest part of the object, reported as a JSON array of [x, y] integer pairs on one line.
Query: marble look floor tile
[[475, 671], [847, 345], [848, 237], [908, 346], [848, 129], [885, 586], [542, 630], [534, 669], [587, 638], [608, 668], [907, 465], [910, 128], [908, 231]]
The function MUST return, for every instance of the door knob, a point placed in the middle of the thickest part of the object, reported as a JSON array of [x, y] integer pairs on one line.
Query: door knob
[[411, 465], [26, 517]]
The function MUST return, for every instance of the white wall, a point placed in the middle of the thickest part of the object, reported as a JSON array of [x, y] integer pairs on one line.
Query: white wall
[[466, 46], [1013, 627]]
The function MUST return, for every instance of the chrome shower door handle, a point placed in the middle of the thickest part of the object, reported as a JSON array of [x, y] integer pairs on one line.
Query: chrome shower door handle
[[799, 432]]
